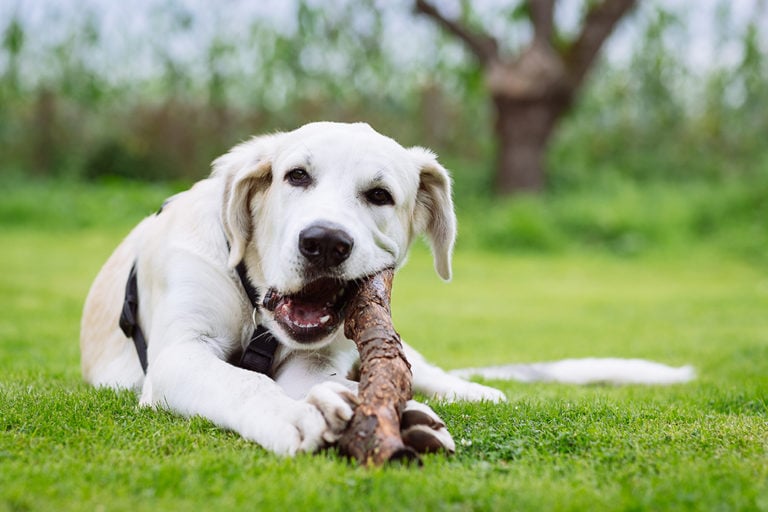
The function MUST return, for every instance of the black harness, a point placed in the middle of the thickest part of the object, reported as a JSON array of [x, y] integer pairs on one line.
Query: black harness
[[258, 355], [129, 318], [260, 352]]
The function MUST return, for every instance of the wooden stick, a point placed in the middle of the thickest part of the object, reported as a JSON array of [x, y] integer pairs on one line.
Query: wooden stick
[[373, 435]]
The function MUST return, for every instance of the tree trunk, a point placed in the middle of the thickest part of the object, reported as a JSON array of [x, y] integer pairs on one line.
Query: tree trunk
[[533, 89], [523, 129], [45, 140]]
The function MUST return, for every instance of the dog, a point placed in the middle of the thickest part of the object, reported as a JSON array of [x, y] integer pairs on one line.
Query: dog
[[307, 213], [273, 242]]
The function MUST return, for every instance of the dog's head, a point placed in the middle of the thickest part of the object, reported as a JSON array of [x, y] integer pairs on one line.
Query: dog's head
[[313, 210]]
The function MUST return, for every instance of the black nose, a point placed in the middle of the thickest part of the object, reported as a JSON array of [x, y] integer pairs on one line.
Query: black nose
[[325, 245]]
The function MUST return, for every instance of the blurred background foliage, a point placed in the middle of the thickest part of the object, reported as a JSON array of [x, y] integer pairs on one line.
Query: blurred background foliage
[[658, 148]]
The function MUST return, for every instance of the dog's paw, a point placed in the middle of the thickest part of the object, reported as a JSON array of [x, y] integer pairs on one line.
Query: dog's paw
[[423, 430], [336, 402], [285, 427]]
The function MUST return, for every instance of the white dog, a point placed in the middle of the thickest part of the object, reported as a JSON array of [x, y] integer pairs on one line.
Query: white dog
[[307, 212], [300, 216]]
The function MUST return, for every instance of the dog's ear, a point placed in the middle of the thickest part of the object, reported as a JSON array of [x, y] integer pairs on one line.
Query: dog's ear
[[246, 171], [434, 215]]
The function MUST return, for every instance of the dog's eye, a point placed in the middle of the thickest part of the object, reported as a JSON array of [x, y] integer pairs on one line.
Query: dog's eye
[[379, 197], [298, 177]]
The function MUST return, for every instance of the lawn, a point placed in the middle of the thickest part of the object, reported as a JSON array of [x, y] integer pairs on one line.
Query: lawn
[[698, 446]]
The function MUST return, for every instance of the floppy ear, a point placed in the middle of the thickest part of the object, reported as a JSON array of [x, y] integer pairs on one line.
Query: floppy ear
[[246, 170], [434, 216]]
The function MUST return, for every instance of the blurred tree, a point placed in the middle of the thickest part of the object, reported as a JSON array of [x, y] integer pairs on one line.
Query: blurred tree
[[533, 89], [162, 100]]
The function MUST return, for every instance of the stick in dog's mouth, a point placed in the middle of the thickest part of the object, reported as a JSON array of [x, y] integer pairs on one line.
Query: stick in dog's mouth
[[373, 435]]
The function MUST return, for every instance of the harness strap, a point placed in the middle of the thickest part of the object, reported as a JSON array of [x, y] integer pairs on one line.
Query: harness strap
[[129, 318], [260, 352], [250, 291]]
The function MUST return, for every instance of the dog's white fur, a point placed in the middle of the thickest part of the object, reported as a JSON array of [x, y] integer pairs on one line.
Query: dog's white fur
[[195, 314]]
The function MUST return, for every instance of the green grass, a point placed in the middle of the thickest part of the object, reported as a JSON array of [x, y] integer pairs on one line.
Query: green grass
[[699, 446]]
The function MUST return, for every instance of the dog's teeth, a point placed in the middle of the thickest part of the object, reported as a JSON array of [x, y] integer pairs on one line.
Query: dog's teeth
[[324, 320], [338, 295]]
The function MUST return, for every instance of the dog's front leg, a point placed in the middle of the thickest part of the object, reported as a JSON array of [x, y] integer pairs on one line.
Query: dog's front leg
[[190, 379]]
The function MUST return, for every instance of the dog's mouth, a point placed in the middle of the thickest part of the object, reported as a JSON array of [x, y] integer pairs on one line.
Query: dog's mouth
[[313, 312]]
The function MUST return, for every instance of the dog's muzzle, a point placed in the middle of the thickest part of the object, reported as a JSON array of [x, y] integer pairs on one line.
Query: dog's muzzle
[[312, 313]]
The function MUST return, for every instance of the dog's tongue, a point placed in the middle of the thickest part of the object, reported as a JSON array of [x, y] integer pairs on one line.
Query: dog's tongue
[[310, 313], [303, 313]]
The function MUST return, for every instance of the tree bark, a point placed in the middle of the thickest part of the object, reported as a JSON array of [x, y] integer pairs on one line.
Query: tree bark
[[523, 130], [373, 435]]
